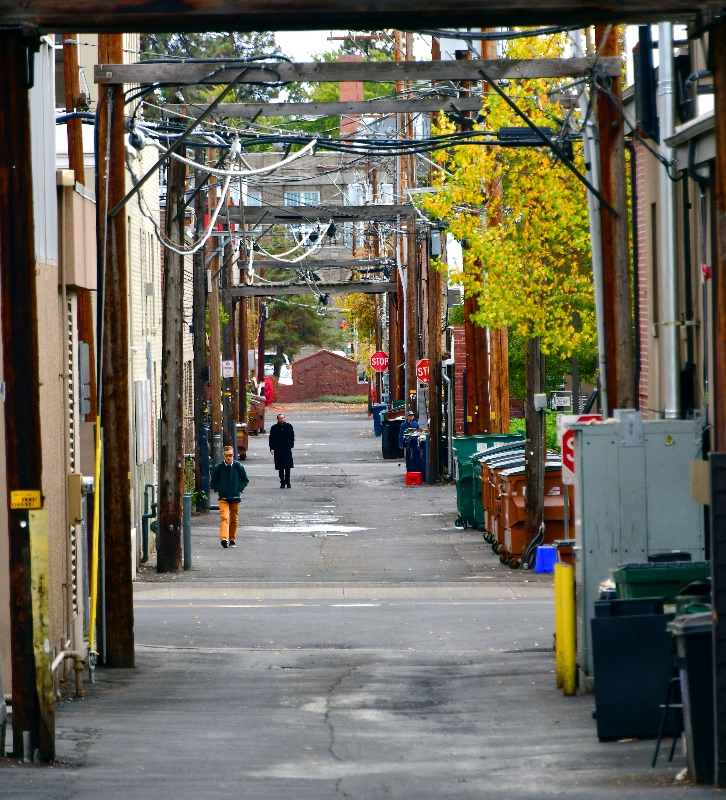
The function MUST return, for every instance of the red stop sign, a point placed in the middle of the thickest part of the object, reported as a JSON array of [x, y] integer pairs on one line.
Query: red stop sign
[[568, 444], [379, 361], [422, 370]]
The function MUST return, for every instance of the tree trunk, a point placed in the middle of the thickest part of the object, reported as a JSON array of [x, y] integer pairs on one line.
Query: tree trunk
[[171, 473]]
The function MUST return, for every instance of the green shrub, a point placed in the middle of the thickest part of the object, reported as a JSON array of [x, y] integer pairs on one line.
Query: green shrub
[[519, 426]]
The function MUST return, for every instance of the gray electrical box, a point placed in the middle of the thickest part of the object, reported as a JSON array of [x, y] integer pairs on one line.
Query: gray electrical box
[[632, 500]]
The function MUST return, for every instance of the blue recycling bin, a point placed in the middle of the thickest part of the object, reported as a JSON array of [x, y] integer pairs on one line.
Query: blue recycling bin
[[545, 559], [377, 408]]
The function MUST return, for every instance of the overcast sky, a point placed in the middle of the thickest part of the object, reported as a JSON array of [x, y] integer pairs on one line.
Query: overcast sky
[[302, 45]]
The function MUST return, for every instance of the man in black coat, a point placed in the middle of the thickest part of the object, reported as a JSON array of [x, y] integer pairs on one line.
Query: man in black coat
[[282, 440]]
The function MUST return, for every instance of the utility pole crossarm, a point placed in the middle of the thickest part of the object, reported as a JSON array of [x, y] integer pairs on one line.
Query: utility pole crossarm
[[349, 287], [352, 107], [218, 72], [296, 214]]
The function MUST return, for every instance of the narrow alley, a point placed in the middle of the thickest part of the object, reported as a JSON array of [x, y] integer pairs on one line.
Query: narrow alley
[[355, 644]]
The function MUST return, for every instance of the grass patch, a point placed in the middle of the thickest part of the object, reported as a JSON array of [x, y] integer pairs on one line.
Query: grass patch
[[352, 399]]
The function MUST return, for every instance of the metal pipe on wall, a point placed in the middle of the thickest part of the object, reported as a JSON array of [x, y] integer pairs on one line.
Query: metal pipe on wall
[[669, 325]]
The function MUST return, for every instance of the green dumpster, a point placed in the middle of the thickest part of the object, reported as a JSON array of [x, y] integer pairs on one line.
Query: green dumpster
[[664, 579], [468, 485]]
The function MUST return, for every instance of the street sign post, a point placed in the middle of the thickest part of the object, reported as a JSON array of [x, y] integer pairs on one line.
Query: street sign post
[[379, 361], [422, 370], [566, 438]]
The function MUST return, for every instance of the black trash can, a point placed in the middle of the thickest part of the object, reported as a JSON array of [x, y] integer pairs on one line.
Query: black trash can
[[389, 438], [694, 639], [633, 665]]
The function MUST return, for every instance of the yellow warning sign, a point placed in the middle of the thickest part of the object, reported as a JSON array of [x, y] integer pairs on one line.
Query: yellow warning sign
[[25, 498]]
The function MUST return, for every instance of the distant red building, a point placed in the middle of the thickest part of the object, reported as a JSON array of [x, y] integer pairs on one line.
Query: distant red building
[[321, 374]]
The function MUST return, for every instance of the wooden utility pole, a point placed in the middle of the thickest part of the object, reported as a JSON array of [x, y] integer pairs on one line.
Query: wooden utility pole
[[76, 162], [477, 350], [228, 417], [435, 285], [115, 416], [394, 346], [499, 380], [435, 379], [718, 402], [262, 317], [413, 278], [23, 454], [171, 471], [243, 348], [72, 89], [199, 324], [412, 289], [717, 42], [620, 377], [534, 454], [498, 337], [379, 347], [477, 371], [215, 335]]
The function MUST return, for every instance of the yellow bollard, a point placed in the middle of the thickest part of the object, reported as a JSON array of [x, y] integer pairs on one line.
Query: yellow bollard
[[558, 624], [567, 635]]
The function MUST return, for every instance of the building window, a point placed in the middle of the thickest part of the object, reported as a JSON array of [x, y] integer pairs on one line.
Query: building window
[[302, 198], [312, 199]]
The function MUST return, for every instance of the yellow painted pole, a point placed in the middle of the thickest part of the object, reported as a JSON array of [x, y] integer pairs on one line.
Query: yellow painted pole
[[568, 628], [558, 623], [96, 529]]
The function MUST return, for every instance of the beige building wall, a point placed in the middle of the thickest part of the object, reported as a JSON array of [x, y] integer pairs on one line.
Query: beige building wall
[[144, 264]]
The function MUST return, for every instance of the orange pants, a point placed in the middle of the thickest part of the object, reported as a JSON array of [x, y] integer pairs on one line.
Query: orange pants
[[228, 514]]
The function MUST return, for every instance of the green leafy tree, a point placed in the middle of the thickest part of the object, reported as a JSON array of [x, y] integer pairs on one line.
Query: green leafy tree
[[370, 50], [294, 322], [525, 219], [211, 45]]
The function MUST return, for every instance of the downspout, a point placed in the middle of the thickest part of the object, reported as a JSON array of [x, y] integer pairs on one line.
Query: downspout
[[669, 326]]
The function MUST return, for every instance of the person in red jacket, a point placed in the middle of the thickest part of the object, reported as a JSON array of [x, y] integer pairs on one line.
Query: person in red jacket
[[268, 391]]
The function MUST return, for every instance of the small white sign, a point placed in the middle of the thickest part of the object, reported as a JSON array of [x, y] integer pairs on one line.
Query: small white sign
[[228, 369]]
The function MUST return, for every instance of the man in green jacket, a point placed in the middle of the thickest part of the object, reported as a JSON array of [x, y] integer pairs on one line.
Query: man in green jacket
[[229, 480]]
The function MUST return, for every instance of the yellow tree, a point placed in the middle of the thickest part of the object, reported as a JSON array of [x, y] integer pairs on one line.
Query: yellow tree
[[524, 218], [360, 311]]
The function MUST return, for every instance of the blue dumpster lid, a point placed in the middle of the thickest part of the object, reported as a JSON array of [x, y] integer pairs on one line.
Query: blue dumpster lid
[[691, 624]]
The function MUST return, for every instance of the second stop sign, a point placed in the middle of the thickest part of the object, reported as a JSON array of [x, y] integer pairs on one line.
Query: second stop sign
[[422, 370]]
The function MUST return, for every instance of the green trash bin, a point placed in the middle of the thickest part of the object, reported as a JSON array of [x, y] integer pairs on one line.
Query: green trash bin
[[468, 489], [664, 579]]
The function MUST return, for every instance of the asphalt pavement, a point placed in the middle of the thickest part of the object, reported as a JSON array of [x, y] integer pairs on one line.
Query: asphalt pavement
[[355, 644]]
